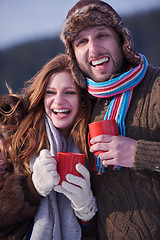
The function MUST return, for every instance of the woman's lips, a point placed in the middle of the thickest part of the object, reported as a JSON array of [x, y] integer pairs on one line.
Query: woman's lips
[[61, 112]]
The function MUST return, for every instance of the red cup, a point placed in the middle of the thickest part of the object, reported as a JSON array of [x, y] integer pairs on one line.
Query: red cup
[[108, 127], [66, 162]]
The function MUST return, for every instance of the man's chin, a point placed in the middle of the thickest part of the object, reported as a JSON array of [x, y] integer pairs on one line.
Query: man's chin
[[97, 78], [100, 79]]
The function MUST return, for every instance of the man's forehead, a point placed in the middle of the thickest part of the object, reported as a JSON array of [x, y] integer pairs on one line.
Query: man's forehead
[[85, 31]]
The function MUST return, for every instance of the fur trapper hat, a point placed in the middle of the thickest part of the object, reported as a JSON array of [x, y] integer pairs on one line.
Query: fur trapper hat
[[94, 13]]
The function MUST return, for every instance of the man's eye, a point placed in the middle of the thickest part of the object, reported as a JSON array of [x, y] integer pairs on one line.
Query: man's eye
[[101, 35], [81, 42]]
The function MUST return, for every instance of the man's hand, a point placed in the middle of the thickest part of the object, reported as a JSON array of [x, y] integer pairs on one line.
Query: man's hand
[[118, 150]]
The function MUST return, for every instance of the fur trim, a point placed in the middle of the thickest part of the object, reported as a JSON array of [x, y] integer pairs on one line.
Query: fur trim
[[95, 13], [13, 199]]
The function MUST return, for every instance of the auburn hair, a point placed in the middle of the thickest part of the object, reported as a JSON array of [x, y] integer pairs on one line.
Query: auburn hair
[[30, 137]]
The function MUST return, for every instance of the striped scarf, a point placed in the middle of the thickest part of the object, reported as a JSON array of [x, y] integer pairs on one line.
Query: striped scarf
[[121, 89]]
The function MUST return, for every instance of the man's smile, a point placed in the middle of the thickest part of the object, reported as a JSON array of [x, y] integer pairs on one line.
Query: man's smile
[[99, 62]]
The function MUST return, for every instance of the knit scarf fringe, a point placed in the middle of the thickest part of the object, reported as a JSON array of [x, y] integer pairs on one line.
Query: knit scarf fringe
[[121, 89]]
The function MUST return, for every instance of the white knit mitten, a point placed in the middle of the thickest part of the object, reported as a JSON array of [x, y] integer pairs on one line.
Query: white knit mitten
[[81, 195], [45, 175]]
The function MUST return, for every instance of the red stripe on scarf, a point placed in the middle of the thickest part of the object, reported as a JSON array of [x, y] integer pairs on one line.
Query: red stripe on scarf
[[115, 107], [107, 88]]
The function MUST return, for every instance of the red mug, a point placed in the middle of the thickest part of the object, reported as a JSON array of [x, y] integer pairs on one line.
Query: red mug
[[108, 127], [66, 162]]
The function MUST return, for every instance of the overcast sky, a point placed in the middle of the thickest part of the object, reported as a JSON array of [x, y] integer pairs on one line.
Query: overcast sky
[[23, 20]]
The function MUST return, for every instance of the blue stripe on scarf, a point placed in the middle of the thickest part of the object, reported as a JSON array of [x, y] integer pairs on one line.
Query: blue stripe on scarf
[[126, 89], [123, 87]]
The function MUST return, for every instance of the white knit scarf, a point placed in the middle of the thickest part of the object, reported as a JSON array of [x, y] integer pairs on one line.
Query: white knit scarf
[[55, 218]]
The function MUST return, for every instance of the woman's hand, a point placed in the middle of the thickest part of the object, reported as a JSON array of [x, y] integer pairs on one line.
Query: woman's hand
[[45, 175], [78, 190]]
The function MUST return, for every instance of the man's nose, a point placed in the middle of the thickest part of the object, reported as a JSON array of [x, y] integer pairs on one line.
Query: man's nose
[[93, 46]]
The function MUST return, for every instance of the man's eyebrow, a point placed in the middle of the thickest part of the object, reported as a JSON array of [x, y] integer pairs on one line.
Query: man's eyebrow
[[78, 37]]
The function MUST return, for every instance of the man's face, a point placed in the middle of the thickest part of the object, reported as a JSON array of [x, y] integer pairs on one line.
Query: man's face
[[98, 52]]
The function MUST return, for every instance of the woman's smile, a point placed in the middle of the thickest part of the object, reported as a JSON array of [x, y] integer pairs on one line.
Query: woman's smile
[[62, 101]]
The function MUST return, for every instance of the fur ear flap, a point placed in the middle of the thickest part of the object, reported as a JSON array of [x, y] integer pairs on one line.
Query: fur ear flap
[[95, 13], [75, 71]]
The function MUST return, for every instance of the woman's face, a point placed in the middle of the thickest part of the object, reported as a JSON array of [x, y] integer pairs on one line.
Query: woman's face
[[61, 101]]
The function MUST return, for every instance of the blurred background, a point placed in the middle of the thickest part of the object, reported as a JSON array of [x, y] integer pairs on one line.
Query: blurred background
[[29, 34]]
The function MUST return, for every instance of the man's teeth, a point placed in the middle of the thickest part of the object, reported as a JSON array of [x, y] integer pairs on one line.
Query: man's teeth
[[100, 61]]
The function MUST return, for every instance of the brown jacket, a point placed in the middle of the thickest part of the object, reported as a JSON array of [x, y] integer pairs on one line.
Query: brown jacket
[[129, 199], [18, 204]]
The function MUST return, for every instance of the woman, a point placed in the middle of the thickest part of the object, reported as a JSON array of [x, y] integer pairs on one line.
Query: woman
[[56, 120]]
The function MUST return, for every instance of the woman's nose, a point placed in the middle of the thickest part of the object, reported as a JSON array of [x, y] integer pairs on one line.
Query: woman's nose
[[59, 99]]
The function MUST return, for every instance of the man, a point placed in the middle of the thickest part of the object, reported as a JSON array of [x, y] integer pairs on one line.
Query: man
[[123, 87]]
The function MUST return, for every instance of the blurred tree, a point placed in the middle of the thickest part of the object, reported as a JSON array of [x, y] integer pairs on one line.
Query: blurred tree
[[20, 63], [146, 34]]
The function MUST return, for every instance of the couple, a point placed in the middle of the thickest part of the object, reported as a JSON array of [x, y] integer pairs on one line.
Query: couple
[[122, 86]]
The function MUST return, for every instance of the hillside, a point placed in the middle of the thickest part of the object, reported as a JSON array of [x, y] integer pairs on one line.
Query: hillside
[[20, 63]]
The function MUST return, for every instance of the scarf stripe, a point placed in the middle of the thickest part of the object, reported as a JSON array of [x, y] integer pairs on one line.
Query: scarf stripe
[[113, 82], [121, 89], [120, 84]]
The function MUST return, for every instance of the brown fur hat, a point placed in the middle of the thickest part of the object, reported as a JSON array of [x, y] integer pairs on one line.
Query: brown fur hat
[[94, 13]]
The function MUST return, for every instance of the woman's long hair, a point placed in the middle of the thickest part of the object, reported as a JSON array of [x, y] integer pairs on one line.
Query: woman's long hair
[[13, 109], [31, 137]]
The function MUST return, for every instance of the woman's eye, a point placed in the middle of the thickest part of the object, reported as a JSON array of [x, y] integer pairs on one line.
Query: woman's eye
[[70, 92], [50, 92]]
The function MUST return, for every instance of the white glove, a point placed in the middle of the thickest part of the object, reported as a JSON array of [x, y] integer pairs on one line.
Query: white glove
[[45, 175], [81, 196]]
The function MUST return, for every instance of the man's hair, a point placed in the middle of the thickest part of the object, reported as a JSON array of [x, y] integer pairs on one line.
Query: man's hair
[[95, 13]]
